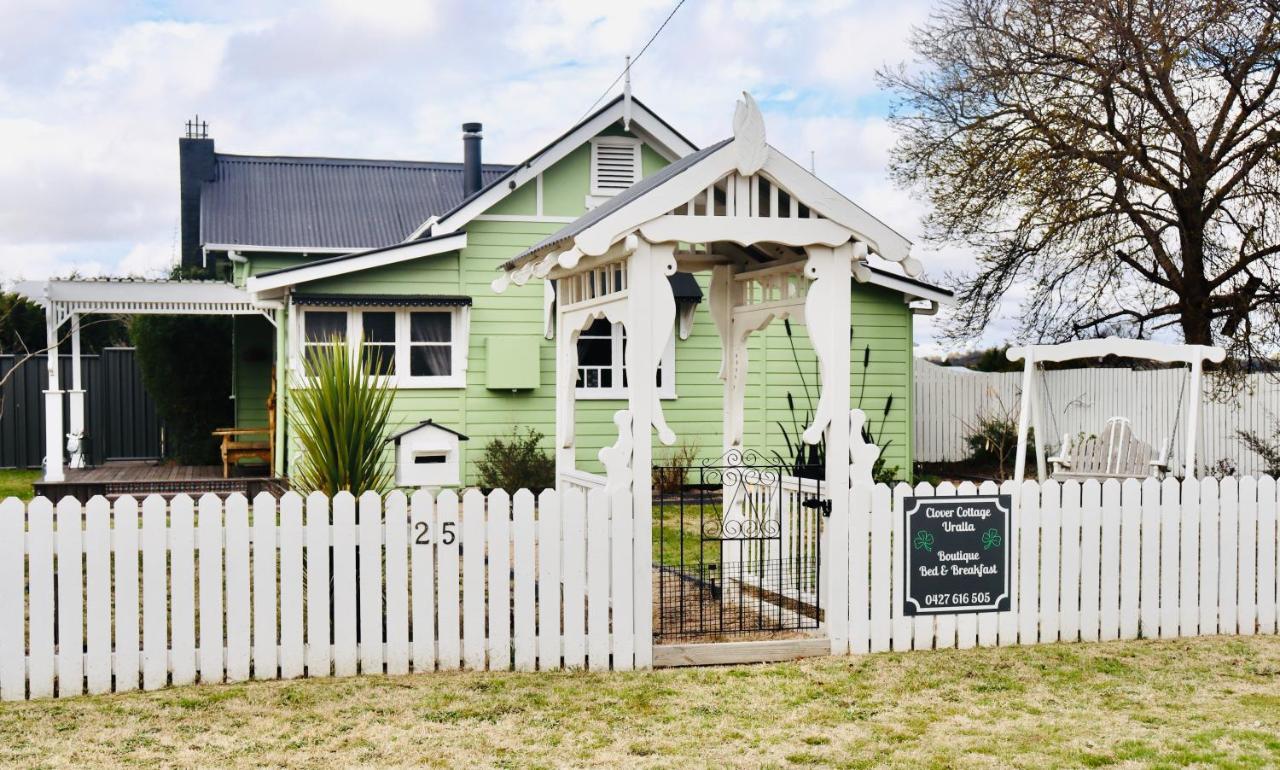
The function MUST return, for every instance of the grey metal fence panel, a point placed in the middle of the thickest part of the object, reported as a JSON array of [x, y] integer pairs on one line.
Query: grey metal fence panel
[[120, 418]]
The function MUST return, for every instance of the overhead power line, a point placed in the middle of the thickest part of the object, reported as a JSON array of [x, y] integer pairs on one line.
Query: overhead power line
[[634, 59]]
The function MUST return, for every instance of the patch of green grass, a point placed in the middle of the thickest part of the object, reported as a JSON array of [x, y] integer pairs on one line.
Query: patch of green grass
[[17, 482]]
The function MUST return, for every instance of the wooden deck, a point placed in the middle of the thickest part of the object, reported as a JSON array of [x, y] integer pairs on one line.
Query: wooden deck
[[145, 478]]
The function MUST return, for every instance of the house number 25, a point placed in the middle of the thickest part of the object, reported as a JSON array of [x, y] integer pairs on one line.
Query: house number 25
[[423, 533]]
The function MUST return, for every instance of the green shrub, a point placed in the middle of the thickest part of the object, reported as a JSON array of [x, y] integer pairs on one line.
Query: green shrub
[[993, 443], [517, 462], [185, 363], [340, 418], [1267, 448]]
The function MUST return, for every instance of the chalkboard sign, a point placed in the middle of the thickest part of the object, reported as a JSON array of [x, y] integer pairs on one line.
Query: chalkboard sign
[[957, 554]]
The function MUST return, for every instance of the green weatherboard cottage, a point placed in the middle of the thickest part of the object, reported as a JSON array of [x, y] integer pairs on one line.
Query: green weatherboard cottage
[[401, 256]]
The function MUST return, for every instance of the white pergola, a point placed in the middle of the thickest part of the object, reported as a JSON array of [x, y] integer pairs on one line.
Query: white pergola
[[779, 243], [67, 300]]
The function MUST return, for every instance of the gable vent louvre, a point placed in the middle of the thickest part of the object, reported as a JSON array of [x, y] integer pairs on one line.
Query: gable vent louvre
[[615, 165]]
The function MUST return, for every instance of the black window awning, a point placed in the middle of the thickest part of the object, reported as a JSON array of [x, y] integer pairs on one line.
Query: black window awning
[[381, 300], [685, 288]]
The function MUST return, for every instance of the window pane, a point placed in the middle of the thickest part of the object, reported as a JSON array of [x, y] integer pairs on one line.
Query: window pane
[[430, 360], [379, 326], [601, 327], [322, 326], [430, 327], [595, 352], [379, 359]]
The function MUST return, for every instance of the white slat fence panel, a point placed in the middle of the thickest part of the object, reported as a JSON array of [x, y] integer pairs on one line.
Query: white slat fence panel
[[549, 580], [319, 648], [70, 599], [182, 587], [345, 652], [499, 534], [1170, 516], [265, 662], [209, 530], [13, 665], [1028, 556], [1266, 578], [1149, 602], [1050, 572], [396, 515], [473, 580], [369, 575], [1109, 581], [1069, 590], [1189, 560], [859, 565], [1090, 561], [1209, 550], [622, 562], [574, 579], [523, 559], [422, 528], [1228, 555], [239, 592], [922, 626], [155, 596], [1130, 554], [292, 645], [446, 539], [989, 622], [901, 626], [128, 657], [97, 563], [598, 577], [1246, 582], [882, 515]]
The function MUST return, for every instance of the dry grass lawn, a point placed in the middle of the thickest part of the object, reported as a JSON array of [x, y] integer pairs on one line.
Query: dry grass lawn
[[1202, 702]]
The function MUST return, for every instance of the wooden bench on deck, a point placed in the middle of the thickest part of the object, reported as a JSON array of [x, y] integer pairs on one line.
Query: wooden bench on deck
[[243, 443]]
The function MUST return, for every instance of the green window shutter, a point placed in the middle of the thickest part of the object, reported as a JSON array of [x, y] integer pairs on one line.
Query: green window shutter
[[513, 363]]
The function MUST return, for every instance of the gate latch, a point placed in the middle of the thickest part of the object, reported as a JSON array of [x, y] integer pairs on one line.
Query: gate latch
[[821, 505]]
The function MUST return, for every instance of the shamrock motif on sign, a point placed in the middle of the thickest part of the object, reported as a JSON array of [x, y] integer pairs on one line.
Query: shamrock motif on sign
[[924, 541], [991, 539]]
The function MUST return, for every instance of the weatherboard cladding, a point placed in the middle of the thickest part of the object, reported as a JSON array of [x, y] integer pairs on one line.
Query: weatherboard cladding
[[597, 214], [325, 202]]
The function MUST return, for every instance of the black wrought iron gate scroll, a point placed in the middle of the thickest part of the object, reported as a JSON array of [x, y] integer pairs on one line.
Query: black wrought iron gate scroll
[[736, 549]]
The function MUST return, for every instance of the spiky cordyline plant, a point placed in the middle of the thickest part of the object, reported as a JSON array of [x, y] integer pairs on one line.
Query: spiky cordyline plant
[[341, 417]]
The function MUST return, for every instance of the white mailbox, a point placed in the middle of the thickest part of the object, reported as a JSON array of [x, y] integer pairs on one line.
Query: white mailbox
[[427, 455]]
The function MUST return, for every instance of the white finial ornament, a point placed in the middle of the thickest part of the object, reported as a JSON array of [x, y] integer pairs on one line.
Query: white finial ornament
[[748, 136], [626, 97]]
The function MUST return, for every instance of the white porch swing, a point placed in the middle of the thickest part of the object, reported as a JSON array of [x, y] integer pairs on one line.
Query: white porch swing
[[1115, 452]]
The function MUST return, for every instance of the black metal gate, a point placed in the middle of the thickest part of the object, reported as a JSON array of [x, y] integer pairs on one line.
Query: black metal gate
[[737, 542]]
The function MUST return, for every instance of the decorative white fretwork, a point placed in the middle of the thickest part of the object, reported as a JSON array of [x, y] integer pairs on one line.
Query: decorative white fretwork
[[616, 458], [862, 455], [829, 270]]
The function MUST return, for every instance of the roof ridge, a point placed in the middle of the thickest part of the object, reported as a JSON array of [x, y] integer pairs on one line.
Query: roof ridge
[[321, 160]]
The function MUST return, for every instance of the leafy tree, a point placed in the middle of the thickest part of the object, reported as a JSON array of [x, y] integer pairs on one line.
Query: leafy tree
[[185, 363], [1118, 159]]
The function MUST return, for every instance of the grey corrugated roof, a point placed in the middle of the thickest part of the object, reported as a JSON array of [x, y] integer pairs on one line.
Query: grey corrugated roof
[[598, 213], [326, 202]]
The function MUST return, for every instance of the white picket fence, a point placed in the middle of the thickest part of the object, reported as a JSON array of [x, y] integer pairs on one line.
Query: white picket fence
[[951, 400], [97, 599], [1088, 562]]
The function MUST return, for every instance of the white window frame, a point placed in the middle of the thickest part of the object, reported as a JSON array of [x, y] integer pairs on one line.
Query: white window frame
[[459, 341], [617, 392], [599, 194]]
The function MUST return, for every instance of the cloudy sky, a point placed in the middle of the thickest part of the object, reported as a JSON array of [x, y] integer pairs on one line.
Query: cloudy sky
[[94, 94]]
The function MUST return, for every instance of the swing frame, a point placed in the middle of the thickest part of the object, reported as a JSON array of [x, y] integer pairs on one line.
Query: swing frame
[[1029, 410]]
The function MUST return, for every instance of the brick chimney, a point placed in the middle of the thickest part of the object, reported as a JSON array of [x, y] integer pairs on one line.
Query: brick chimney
[[195, 168]]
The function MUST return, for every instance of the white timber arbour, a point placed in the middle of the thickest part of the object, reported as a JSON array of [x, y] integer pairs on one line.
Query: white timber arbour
[[779, 243], [1029, 417], [69, 300]]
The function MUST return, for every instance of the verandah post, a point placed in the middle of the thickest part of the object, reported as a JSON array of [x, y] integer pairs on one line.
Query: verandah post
[[53, 438], [76, 394]]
